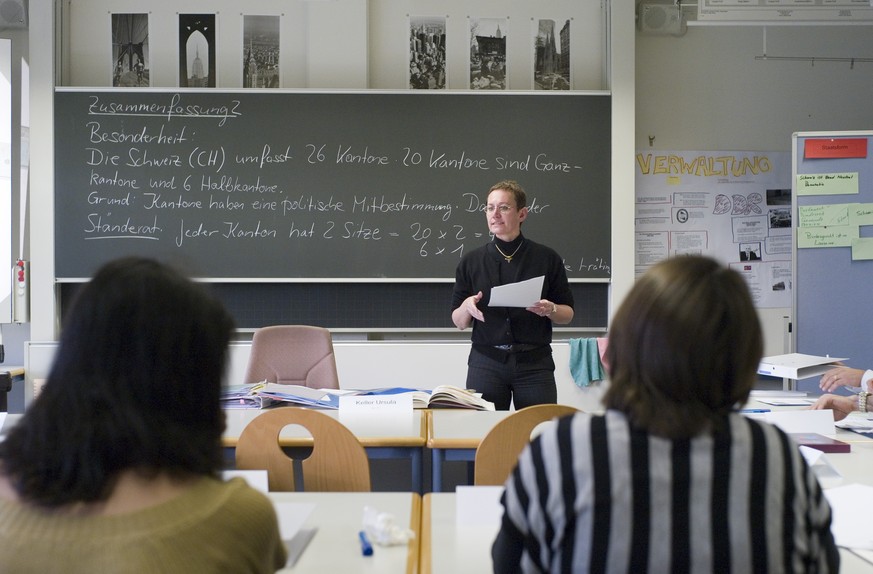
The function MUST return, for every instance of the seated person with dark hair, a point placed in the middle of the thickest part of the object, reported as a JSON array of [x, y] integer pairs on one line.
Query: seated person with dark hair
[[671, 478], [115, 466]]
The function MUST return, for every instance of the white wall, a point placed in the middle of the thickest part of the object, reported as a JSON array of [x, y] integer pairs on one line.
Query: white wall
[[371, 365]]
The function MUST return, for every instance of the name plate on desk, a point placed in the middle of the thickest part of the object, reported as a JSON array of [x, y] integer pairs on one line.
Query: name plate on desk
[[399, 403]]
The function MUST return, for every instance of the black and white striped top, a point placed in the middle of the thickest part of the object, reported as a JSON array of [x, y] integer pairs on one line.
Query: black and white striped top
[[592, 495]]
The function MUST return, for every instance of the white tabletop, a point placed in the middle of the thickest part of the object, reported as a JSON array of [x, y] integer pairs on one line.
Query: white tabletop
[[448, 548], [338, 517], [402, 429], [461, 428]]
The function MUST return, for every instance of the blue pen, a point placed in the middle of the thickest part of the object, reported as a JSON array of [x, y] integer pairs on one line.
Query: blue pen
[[754, 410], [366, 547]]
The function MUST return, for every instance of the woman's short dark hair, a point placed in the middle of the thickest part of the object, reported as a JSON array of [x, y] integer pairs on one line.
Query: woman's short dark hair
[[135, 385], [512, 187], [684, 347]]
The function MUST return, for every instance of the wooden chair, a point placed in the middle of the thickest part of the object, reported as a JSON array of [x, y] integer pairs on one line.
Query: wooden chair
[[338, 462], [293, 355], [498, 452]]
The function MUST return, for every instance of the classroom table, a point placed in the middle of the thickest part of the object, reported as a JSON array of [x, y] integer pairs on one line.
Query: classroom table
[[454, 434], [338, 517], [448, 548], [382, 436]]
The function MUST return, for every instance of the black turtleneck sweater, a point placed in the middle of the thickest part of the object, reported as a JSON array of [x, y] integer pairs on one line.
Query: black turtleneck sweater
[[486, 267]]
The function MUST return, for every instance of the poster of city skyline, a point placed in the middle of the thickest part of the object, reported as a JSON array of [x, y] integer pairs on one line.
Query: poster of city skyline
[[488, 53], [197, 38], [130, 50], [260, 51], [551, 48], [427, 52]]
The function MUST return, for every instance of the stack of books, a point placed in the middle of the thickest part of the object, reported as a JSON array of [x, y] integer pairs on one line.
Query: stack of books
[[262, 395]]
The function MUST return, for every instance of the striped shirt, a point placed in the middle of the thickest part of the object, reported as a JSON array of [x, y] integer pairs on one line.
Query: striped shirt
[[591, 494]]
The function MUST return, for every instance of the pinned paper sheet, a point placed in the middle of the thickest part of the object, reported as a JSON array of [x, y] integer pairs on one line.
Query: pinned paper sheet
[[805, 421], [522, 294], [478, 505]]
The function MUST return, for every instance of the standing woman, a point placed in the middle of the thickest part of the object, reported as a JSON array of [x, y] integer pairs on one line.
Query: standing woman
[[511, 357], [671, 478], [115, 466]]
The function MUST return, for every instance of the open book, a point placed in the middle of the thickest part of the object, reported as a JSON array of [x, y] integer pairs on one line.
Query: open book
[[263, 395], [455, 397]]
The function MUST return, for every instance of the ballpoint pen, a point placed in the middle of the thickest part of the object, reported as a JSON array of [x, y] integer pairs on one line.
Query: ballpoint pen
[[754, 410]]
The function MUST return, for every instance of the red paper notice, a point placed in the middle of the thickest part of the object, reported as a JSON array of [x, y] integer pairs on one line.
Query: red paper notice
[[835, 148]]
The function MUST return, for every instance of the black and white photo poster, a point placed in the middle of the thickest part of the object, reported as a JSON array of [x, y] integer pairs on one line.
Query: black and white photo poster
[[260, 66], [488, 53], [427, 52], [130, 50], [197, 38]]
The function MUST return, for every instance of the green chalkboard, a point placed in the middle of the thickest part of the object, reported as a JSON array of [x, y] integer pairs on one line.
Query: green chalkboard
[[259, 186]]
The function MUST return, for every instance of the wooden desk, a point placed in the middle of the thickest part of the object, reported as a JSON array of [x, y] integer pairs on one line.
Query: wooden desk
[[382, 437], [338, 517], [454, 434]]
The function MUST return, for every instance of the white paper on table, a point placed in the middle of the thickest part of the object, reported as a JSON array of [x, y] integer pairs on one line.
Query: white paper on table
[[478, 505], [257, 479], [522, 294], [292, 515], [852, 506], [821, 466], [805, 421]]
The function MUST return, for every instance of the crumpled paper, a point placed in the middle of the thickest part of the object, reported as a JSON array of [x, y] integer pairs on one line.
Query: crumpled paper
[[383, 530]]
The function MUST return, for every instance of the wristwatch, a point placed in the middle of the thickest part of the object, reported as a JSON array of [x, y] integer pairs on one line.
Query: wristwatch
[[862, 401]]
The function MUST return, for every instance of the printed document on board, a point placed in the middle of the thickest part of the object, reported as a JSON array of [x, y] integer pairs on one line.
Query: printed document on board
[[521, 294]]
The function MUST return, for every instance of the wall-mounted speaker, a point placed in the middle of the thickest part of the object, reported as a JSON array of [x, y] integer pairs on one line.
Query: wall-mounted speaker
[[13, 14], [660, 19]]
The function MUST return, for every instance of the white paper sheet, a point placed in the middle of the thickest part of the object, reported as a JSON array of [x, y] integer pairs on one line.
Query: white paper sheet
[[522, 294], [806, 421], [852, 506]]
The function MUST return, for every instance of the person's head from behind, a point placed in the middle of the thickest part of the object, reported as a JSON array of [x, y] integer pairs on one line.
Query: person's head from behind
[[135, 385], [684, 347]]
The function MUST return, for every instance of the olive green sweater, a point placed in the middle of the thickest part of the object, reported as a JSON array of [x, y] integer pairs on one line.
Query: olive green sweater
[[213, 527]]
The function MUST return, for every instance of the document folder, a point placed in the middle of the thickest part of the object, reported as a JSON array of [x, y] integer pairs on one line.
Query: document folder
[[796, 365]]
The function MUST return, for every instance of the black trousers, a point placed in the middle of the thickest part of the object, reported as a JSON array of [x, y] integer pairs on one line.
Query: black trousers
[[522, 379]]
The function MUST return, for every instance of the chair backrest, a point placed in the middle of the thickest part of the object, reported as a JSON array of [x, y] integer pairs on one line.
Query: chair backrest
[[293, 355], [498, 452], [338, 462]]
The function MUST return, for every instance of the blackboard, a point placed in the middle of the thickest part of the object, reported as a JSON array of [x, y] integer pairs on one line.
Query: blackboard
[[831, 290], [265, 185], [372, 306]]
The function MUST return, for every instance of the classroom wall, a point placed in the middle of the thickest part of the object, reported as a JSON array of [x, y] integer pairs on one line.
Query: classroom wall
[[362, 365], [706, 90], [703, 90]]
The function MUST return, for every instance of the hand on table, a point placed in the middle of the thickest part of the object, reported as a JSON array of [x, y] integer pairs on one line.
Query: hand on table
[[840, 405]]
